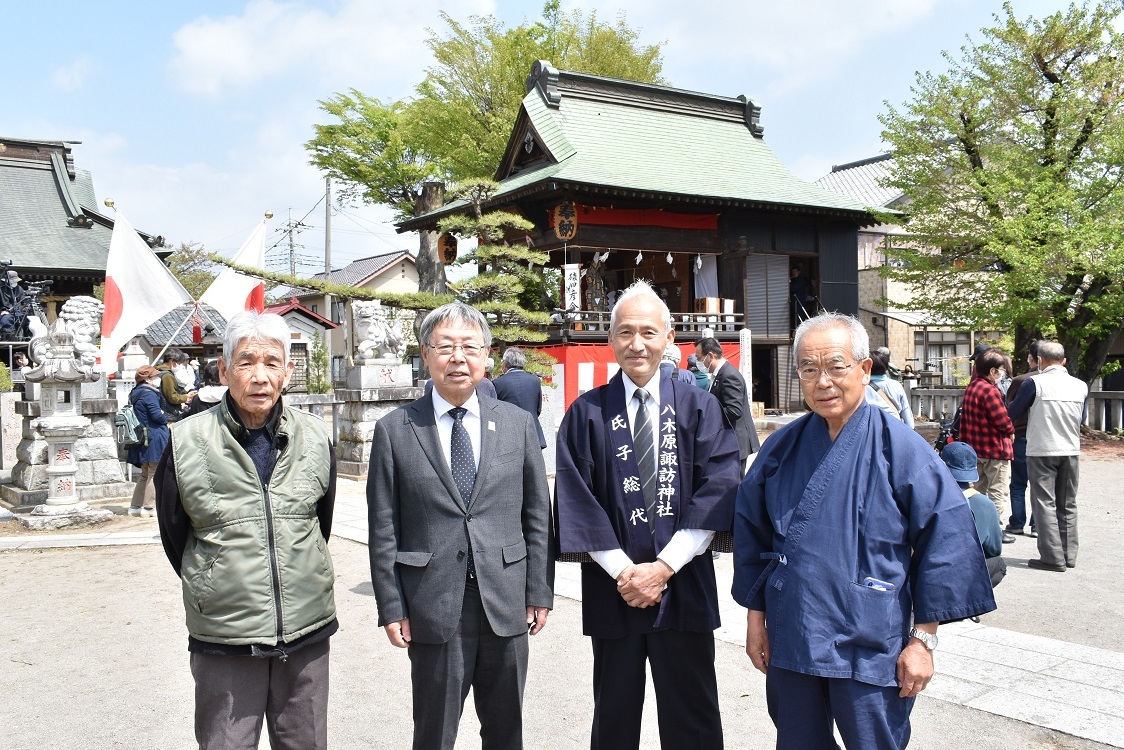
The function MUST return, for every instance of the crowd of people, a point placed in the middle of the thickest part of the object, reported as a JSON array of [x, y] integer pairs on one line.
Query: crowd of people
[[852, 539]]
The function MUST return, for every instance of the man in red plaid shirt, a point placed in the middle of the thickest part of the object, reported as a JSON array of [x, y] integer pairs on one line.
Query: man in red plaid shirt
[[985, 426]]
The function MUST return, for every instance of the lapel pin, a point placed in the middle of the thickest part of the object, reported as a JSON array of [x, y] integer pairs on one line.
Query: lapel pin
[[492, 426]]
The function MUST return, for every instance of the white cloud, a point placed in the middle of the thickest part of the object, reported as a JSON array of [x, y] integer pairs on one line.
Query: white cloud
[[269, 40], [72, 76], [218, 202], [786, 43]]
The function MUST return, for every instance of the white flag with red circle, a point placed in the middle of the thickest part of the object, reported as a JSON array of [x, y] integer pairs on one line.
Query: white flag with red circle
[[232, 292], [139, 290]]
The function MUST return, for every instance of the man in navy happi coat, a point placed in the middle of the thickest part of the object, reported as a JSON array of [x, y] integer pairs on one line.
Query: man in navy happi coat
[[851, 543], [647, 472]]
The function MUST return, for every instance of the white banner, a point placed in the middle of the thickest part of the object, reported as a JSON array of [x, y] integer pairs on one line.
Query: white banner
[[571, 286]]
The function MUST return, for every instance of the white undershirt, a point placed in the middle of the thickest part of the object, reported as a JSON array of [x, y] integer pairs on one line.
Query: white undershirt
[[685, 544], [471, 421]]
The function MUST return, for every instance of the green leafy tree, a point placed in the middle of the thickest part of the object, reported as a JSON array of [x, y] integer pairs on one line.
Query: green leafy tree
[[192, 265], [507, 268], [319, 374], [1012, 165], [471, 95], [456, 127]]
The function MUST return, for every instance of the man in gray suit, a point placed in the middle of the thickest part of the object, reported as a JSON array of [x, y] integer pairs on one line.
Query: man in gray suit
[[459, 515]]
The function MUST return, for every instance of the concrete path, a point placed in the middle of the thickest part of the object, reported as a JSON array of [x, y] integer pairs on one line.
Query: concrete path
[[1012, 664]]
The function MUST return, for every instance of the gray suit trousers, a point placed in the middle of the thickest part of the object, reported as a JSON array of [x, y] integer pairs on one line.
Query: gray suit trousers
[[495, 667], [1053, 495]]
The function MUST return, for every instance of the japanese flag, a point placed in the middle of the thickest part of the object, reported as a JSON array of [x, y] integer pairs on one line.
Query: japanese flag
[[139, 290], [233, 292]]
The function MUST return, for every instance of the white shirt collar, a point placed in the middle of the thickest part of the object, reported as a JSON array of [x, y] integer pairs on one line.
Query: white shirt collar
[[653, 388], [441, 406]]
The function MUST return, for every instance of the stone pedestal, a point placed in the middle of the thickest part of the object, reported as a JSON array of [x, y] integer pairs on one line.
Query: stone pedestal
[[362, 408], [373, 374], [51, 517], [98, 474]]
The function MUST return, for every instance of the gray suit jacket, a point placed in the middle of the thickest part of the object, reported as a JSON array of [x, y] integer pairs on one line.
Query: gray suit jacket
[[420, 527]]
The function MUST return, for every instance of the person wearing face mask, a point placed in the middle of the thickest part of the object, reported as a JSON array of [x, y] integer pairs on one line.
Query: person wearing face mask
[[145, 399], [728, 386], [175, 396], [985, 425]]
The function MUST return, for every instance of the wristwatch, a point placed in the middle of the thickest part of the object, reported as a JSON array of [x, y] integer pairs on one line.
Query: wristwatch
[[930, 640]]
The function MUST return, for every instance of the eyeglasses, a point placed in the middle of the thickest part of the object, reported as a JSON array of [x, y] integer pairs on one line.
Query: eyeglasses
[[811, 373], [469, 350]]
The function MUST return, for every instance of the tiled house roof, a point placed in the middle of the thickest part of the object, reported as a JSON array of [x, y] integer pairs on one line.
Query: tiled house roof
[[862, 180], [360, 271], [293, 304], [160, 333]]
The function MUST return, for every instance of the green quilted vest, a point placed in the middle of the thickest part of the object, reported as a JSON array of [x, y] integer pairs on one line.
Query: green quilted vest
[[256, 569]]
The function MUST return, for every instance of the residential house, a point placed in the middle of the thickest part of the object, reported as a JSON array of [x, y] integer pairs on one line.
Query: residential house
[[305, 327], [394, 272]]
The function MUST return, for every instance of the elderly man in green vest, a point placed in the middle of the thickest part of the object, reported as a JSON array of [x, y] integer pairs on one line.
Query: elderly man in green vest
[[244, 501]]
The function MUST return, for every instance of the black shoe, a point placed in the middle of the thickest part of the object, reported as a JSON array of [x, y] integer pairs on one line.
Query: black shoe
[[1007, 538], [1017, 530], [1039, 565], [1071, 565]]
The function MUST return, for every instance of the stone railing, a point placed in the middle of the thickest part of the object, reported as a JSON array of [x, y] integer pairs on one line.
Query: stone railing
[[1105, 410], [935, 404], [325, 406]]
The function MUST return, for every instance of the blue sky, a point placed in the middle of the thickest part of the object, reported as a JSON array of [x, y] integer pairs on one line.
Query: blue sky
[[193, 116]]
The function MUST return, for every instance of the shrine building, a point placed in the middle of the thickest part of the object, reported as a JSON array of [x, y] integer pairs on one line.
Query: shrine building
[[626, 180]]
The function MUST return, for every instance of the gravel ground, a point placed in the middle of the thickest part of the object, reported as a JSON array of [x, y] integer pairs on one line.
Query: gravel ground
[[95, 657]]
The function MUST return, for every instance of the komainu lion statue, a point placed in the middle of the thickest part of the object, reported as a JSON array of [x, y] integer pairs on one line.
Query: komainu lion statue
[[82, 318], [378, 336]]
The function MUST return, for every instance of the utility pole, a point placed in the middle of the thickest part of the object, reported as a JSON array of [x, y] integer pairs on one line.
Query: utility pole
[[291, 229], [328, 308]]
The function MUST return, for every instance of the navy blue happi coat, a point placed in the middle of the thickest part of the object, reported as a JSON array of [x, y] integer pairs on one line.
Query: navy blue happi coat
[[597, 499], [842, 543]]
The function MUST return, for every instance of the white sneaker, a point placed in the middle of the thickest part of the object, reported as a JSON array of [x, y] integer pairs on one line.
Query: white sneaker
[[148, 512], [134, 511]]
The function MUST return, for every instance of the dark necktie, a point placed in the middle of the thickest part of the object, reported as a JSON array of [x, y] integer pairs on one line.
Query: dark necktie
[[461, 460], [463, 466], [645, 446]]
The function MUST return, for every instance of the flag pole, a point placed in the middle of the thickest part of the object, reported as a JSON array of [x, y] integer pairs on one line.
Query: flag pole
[[176, 333]]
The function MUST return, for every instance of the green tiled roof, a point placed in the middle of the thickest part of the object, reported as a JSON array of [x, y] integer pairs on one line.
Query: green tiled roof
[[647, 139]]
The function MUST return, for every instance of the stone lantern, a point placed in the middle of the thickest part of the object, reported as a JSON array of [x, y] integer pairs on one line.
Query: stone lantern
[[60, 376]]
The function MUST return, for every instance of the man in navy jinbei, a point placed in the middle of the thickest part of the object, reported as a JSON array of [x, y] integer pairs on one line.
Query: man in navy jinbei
[[851, 543]]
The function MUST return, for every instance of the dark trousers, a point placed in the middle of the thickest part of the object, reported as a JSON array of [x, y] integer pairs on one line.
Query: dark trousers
[[495, 667], [686, 690], [1019, 480], [1053, 493], [804, 707], [233, 693]]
